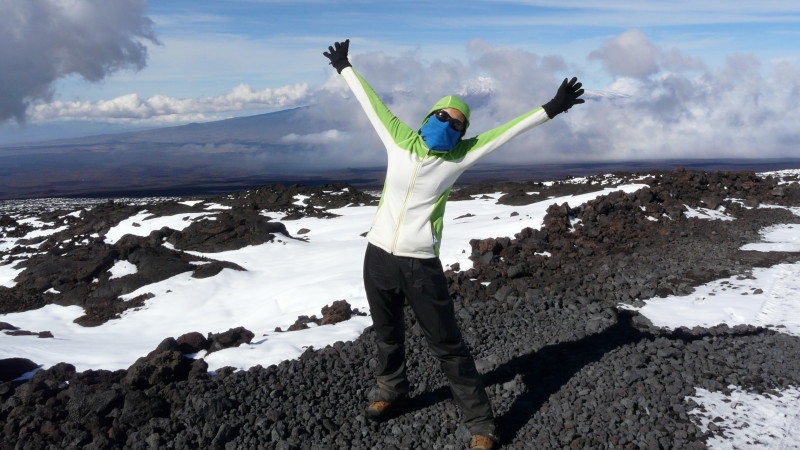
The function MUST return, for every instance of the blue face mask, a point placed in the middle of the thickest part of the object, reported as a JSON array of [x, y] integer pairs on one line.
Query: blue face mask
[[439, 136]]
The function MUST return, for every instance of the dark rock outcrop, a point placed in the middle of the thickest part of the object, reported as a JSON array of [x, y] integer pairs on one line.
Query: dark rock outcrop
[[163, 365], [318, 199], [192, 343], [231, 338], [226, 232], [13, 368], [338, 311]]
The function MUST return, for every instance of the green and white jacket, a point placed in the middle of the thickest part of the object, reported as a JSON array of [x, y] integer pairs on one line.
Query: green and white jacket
[[410, 215]]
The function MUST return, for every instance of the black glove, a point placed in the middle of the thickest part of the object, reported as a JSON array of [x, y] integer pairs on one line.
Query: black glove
[[566, 98], [338, 55]]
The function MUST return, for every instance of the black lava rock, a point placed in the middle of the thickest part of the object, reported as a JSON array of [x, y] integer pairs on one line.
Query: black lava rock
[[12, 368]]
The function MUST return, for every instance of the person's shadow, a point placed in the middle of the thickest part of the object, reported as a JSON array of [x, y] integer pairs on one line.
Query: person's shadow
[[543, 372], [547, 370]]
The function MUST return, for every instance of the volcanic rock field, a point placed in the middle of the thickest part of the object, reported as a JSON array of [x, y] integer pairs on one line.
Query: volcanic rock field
[[566, 366]]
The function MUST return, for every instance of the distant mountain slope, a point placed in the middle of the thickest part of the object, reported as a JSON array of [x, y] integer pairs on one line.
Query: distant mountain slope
[[246, 152], [197, 154], [262, 127]]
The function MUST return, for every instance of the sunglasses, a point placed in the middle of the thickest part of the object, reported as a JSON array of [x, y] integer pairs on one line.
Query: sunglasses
[[454, 123]]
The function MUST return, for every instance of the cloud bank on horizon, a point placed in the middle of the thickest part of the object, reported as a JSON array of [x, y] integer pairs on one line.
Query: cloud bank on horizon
[[660, 102]]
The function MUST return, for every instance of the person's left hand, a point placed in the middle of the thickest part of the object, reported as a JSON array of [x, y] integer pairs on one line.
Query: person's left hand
[[566, 98]]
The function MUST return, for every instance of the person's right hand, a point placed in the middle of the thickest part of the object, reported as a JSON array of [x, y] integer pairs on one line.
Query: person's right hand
[[337, 53], [566, 98]]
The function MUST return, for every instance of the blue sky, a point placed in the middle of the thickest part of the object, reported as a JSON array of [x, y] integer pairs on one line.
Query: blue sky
[[211, 59]]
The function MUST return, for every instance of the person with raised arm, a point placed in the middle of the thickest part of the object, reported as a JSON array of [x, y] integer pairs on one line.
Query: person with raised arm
[[402, 263]]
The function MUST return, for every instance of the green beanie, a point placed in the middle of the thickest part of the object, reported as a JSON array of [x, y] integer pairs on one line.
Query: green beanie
[[450, 102]]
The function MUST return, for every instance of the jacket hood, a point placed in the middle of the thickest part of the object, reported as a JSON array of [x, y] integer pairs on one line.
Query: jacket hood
[[449, 102]]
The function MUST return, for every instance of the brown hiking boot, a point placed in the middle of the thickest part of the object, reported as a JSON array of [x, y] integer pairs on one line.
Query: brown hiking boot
[[378, 410], [481, 442]]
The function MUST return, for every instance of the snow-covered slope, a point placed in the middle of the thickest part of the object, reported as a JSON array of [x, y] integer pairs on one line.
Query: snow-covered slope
[[281, 283]]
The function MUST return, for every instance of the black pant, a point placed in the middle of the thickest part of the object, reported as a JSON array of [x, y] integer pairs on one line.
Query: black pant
[[389, 280]]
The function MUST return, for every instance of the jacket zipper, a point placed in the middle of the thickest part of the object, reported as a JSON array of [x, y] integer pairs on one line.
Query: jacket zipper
[[405, 202]]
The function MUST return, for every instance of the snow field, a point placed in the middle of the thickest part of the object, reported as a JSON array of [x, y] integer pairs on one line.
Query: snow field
[[272, 293], [769, 298]]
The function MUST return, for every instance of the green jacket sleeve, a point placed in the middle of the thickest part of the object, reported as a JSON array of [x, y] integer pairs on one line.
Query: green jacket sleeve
[[391, 130], [473, 149]]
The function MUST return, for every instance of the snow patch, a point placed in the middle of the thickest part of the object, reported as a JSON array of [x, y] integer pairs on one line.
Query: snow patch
[[300, 199], [793, 209], [778, 238], [217, 206], [707, 214], [749, 420], [142, 224], [8, 273], [121, 269], [769, 298], [40, 230], [781, 175]]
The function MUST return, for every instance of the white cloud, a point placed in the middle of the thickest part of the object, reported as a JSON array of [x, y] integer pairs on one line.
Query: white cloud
[[219, 148], [131, 106], [630, 54], [45, 40], [325, 137], [737, 110]]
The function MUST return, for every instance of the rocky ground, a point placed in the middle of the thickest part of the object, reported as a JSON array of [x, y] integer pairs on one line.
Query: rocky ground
[[564, 365], [72, 265]]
